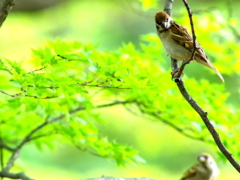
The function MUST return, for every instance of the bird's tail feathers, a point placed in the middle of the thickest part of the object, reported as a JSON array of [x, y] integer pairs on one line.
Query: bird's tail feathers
[[209, 64]]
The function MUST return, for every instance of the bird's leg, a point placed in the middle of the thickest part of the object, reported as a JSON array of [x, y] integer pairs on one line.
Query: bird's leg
[[175, 73], [178, 72]]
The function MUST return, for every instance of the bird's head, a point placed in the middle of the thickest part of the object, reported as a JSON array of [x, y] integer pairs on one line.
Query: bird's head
[[207, 161], [163, 20]]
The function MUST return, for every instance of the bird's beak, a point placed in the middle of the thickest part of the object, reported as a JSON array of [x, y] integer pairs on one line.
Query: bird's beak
[[202, 159], [165, 25]]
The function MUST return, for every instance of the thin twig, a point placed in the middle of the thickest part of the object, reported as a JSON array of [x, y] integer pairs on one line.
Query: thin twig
[[39, 69], [85, 149], [184, 63], [99, 85], [157, 117], [191, 23], [26, 95], [110, 87]]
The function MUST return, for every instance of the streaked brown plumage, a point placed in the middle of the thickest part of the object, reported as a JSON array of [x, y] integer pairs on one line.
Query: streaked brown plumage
[[178, 43]]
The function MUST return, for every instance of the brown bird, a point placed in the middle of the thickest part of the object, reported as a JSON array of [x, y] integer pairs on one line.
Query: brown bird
[[178, 43], [205, 169]]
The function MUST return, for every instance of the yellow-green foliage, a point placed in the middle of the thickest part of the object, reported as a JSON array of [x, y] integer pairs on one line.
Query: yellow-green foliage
[[71, 79]]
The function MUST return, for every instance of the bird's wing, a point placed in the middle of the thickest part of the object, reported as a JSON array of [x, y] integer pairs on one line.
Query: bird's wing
[[190, 173], [181, 36]]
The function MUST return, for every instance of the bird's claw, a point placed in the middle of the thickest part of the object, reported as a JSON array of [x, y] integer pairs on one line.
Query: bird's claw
[[175, 74]]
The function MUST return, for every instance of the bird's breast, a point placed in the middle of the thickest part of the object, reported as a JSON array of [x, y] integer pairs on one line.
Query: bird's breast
[[172, 48]]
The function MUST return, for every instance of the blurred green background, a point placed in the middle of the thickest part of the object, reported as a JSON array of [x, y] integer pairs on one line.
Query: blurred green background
[[109, 23]]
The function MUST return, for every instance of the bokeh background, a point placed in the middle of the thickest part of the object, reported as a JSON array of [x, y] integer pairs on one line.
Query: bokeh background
[[108, 23]]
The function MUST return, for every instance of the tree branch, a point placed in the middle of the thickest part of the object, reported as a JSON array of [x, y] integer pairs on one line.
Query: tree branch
[[23, 92], [208, 124], [5, 7], [4, 146], [201, 112], [113, 178], [168, 7], [20, 175], [156, 116], [28, 137]]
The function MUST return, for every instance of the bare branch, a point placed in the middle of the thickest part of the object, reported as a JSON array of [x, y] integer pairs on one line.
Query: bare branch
[[113, 178], [4, 146], [191, 23], [5, 7], [168, 7], [197, 108], [208, 124], [20, 175]]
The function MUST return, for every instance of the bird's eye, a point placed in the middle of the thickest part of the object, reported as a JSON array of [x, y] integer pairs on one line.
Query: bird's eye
[[167, 19]]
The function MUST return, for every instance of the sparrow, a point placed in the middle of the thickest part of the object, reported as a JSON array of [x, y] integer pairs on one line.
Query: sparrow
[[178, 43], [205, 169]]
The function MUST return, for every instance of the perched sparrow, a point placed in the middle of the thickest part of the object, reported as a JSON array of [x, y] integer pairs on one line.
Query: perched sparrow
[[178, 43], [205, 169]]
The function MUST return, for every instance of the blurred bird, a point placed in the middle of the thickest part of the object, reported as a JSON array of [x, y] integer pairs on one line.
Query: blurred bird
[[178, 43], [205, 169]]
